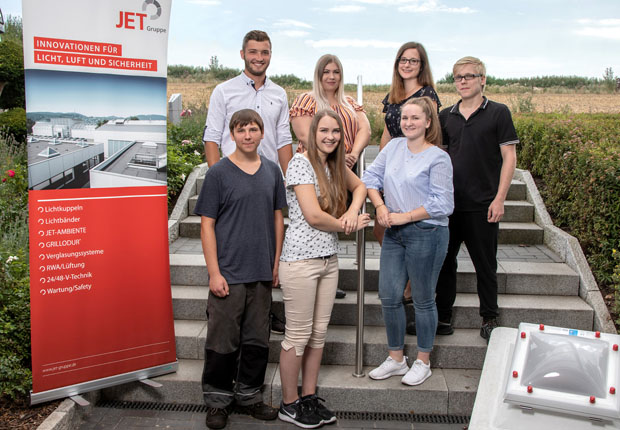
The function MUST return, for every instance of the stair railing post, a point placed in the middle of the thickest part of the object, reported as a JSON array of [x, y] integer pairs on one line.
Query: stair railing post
[[361, 269], [361, 265]]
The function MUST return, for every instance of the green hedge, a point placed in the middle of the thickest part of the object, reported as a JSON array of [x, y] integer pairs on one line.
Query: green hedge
[[185, 151], [15, 378], [578, 159], [13, 125]]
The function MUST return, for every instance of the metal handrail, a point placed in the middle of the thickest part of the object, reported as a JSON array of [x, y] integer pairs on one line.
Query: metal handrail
[[361, 268]]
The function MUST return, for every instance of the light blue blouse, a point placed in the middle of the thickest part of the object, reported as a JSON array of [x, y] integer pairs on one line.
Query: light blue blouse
[[412, 180]]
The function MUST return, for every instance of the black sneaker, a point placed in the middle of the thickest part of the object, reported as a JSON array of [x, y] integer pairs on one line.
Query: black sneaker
[[340, 294], [277, 325], [261, 411], [487, 328], [216, 418], [326, 415], [302, 414], [444, 329]]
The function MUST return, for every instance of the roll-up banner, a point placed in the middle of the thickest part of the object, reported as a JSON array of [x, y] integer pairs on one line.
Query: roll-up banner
[[101, 307]]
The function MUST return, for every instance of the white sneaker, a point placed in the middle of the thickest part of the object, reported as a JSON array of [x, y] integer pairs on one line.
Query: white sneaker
[[418, 373], [389, 368]]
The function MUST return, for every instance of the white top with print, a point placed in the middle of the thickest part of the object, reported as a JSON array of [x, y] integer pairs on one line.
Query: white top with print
[[302, 241]]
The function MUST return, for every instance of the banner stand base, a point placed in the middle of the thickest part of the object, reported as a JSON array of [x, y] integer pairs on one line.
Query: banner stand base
[[75, 390], [81, 401], [151, 383]]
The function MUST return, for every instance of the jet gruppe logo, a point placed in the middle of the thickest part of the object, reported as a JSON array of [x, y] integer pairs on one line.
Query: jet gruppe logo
[[151, 11]]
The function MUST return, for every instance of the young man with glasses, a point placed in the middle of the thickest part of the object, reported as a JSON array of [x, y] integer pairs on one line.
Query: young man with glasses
[[481, 140]]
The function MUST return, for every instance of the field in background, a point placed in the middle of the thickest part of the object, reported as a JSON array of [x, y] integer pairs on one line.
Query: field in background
[[196, 94]]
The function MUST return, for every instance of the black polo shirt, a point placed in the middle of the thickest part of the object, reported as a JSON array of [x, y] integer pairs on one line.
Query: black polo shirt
[[474, 147]]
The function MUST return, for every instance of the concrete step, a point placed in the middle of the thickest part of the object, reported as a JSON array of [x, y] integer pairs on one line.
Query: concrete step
[[517, 190], [562, 311], [509, 232], [182, 387], [513, 277], [447, 391], [515, 210], [465, 349]]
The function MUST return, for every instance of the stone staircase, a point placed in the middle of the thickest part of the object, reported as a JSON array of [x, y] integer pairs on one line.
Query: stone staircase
[[535, 286]]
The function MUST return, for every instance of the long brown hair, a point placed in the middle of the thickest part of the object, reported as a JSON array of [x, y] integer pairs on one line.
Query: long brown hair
[[425, 77], [433, 132], [333, 198]]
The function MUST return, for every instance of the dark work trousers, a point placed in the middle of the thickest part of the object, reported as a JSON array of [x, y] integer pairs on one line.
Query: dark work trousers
[[237, 345], [480, 237]]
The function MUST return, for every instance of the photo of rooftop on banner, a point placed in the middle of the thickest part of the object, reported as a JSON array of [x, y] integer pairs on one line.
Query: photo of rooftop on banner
[[68, 152]]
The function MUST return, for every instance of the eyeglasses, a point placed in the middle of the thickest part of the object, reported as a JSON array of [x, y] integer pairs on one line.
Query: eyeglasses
[[412, 61], [467, 77]]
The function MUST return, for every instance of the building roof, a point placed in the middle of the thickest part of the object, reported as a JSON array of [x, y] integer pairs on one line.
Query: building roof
[[63, 146], [135, 127], [124, 161]]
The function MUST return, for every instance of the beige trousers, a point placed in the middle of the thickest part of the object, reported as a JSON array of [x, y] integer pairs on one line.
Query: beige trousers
[[308, 290]]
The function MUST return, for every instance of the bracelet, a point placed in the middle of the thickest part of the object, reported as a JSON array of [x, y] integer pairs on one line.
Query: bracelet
[[411, 214], [378, 206]]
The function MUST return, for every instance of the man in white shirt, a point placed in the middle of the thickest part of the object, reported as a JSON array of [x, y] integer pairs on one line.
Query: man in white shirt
[[250, 90]]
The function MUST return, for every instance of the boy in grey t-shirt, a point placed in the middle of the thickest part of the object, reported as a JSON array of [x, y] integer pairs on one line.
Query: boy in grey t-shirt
[[242, 229]]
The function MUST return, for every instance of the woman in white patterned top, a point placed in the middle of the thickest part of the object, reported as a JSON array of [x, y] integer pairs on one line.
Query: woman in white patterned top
[[316, 192]]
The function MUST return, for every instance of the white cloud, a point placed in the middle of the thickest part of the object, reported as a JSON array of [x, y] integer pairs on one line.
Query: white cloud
[[347, 8], [604, 22], [601, 32], [205, 2], [608, 28], [291, 23], [420, 6], [433, 6], [353, 43], [385, 2], [292, 33]]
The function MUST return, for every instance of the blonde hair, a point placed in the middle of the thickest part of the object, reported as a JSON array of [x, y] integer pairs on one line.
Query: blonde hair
[[425, 76], [433, 132], [476, 62], [333, 190], [317, 88]]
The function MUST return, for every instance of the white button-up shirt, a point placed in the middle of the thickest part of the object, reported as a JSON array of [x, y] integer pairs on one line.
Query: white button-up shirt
[[238, 93]]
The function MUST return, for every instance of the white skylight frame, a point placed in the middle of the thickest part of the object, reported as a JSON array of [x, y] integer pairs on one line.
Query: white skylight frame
[[517, 391]]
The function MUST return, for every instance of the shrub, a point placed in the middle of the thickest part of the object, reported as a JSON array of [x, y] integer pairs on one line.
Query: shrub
[[615, 279], [13, 123], [291, 82], [15, 376], [522, 104], [12, 72], [185, 151], [375, 117], [609, 79], [578, 159]]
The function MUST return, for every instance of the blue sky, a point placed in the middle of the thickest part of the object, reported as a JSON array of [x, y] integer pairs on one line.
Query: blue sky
[[116, 95], [514, 38]]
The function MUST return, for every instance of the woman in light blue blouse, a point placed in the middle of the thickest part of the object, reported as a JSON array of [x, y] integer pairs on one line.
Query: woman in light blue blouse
[[416, 178]]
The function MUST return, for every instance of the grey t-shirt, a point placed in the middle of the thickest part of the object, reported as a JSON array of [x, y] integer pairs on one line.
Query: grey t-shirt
[[243, 207]]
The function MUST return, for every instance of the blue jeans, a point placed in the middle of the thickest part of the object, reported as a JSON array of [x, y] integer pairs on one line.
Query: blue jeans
[[412, 251]]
